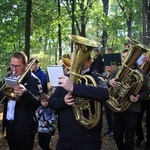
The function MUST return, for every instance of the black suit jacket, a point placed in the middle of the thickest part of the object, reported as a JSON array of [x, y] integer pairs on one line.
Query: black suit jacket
[[98, 64], [24, 117]]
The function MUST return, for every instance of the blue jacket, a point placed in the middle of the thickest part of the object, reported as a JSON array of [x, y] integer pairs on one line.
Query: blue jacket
[[49, 116], [42, 76]]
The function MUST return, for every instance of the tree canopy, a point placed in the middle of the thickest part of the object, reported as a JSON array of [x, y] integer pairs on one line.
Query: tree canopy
[[46, 31]]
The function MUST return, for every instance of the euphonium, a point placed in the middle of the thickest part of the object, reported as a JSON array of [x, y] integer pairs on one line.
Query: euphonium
[[9, 91], [130, 80], [83, 48]]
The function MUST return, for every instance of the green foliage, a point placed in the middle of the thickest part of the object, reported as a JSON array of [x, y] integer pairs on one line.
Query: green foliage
[[45, 20]]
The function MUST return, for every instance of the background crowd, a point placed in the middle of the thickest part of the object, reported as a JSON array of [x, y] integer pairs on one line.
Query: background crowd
[[37, 108]]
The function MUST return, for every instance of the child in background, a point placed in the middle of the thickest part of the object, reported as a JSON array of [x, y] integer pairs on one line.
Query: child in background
[[47, 121]]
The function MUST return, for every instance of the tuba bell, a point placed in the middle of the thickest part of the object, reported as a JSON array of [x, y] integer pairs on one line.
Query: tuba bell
[[130, 80], [9, 91], [83, 48]]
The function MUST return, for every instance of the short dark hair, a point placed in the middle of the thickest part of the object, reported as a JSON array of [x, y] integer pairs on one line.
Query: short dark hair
[[110, 49], [45, 97], [21, 55], [126, 44], [35, 61], [125, 50], [96, 50], [89, 58], [8, 69]]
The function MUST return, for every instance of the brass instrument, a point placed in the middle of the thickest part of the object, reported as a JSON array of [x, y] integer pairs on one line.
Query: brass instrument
[[130, 80], [66, 62], [3, 86], [146, 65], [9, 91], [83, 48]]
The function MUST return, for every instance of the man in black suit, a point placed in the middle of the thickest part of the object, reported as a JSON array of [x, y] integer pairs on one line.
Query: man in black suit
[[19, 116]]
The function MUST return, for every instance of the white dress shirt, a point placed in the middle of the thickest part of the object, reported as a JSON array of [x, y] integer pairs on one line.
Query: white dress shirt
[[11, 107]]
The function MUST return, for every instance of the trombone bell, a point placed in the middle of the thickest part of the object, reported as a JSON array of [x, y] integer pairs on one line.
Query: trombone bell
[[9, 93]]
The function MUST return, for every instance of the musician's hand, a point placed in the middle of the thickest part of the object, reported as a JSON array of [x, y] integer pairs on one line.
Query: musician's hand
[[146, 59], [45, 123], [69, 100], [41, 111], [19, 90], [113, 82], [66, 83], [133, 98]]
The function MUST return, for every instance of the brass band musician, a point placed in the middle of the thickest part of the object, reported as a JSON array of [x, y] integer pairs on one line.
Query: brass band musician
[[72, 135], [125, 122], [19, 114], [111, 61], [145, 108]]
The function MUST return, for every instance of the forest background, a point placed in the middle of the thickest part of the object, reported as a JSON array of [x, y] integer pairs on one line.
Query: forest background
[[41, 28]]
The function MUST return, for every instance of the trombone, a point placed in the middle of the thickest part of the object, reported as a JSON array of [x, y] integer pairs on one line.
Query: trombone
[[9, 91]]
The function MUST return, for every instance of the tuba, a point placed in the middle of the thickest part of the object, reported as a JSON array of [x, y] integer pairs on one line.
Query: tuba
[[146, 65], [9, 91], [130, 80], [83, 48]]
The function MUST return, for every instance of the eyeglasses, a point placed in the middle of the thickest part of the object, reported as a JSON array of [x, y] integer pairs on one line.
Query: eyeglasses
[[15, 66]]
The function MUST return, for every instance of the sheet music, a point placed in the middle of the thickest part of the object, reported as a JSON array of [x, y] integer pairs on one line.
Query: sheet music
[[54, 72], [140, 61], [11, 82]]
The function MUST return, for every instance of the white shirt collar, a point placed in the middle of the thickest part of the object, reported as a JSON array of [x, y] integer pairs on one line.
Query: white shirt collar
[[84, 71]]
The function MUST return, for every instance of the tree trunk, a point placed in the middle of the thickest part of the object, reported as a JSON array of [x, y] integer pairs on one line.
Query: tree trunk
[[143, 19], [128, 22], [73, 18], [83, 19], [59, 32], [104, 34], [104, 41], [148, 22], [27, 32]]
